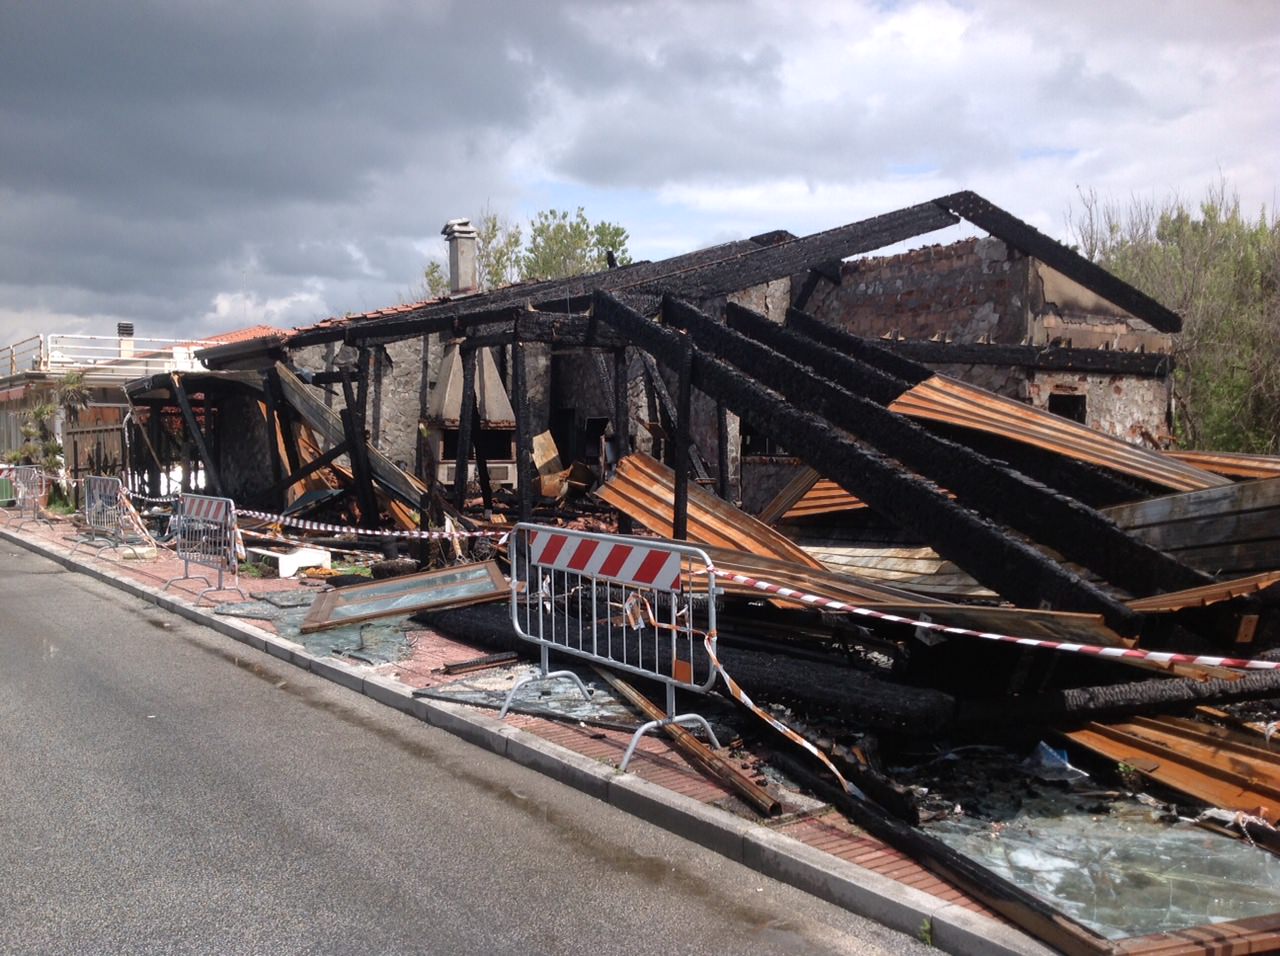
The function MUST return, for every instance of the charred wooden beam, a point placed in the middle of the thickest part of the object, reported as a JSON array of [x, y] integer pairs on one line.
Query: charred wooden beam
[[197, 437], [1065, 707], [722, 451], [310, 468], [525, 473], [363, 361], [482, 461], [670, 417], [807, 373], [152, 434], [273, 445], [1008, 566], [684, 404], [1098, 361], [466, 420], [360, 468], [798, 255], [621, 420], [895, 371]]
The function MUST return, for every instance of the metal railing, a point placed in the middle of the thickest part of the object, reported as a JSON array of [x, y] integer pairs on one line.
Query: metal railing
[[105, 357], [637, 605], [205, 533]]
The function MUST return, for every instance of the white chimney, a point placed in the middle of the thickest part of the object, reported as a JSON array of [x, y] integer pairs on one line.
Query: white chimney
[[461, 237]]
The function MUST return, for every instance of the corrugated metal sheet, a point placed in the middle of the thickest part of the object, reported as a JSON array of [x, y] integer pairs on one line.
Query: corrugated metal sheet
[[1231, 465], [644, 488], [943, 399], [825, 497]]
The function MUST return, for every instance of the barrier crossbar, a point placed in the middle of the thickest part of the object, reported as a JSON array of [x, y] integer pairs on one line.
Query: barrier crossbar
[[205, 533], [632, 604]]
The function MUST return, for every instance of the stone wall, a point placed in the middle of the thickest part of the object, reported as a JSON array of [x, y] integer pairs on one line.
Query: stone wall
[[1130, 408], [244, 457], [980, 289], [971, 289]]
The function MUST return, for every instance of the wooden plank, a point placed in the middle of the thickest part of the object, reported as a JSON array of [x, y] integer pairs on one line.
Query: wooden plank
[[792, 492], [1208, 502], [1194, 533], [698, 753], [1235, 560]]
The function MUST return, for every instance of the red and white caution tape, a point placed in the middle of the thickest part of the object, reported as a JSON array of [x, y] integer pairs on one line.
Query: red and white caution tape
[[1094, 650], [166, 500], [342, 529]]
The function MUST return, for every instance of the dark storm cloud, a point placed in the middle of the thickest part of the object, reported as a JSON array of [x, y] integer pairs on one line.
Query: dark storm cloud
[[196, 164], [168, 147]]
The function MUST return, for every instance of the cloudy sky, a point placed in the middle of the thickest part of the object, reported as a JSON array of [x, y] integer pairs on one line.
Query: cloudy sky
[[195, 166]]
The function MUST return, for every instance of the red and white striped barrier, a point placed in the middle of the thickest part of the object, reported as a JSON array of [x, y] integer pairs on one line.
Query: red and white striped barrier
[[1095, 650], [630, 562]]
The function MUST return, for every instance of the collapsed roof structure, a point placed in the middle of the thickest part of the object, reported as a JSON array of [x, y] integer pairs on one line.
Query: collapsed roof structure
[[971, 434]]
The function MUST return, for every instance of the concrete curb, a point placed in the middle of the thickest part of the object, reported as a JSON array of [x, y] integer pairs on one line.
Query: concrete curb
[[950, 927]]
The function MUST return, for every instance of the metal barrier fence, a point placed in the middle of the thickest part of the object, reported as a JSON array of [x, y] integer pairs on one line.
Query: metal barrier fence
[[636, 605], [30, 486], [104, 513], [204, 530]]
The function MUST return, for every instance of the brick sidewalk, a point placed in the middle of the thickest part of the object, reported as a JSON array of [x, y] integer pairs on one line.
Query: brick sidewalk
[[655, 760]]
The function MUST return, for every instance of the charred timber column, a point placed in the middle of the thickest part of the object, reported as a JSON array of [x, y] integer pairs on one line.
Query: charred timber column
[[359, 454], [362, 386], [722, 451], [524, 431], [621, 421], [153, 466], [465, 420], [684, 401]]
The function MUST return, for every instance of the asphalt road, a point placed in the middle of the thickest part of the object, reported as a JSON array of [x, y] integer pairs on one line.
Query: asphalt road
[[165, 789]]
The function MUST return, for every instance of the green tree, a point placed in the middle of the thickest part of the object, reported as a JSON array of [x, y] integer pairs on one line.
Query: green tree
[[563, 245], [1220, 270], [559, 245]]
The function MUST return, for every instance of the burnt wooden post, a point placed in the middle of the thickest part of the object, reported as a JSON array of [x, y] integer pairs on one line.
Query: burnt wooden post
[[422, 546], [359, 453], [722, 451], [330, 353], [273, 424], [424, 402], [684, 401], [621, 422], [378, 363], [193, 427], [153, 466], [362, 386], [482, 461], [464, 426], [524, 433]]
